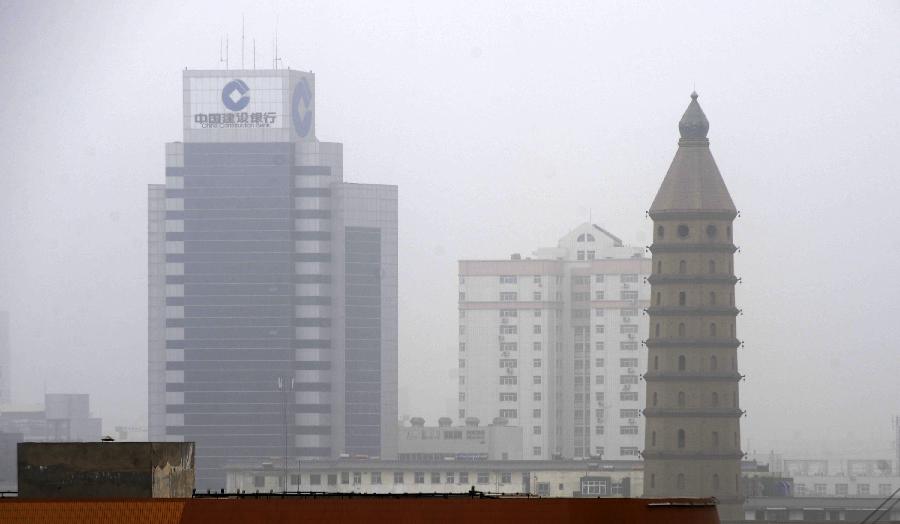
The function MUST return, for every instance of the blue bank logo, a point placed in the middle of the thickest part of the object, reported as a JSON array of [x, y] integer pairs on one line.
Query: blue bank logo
[[301, 108], [234, 95]]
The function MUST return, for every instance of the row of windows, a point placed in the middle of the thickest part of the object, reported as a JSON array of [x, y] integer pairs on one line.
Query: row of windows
[[682, 298], [681, 439], [682, 363], [684, 231], [712, 332], [842, 489], [399, 477], [683, 267], [713, 400], [681, 482]]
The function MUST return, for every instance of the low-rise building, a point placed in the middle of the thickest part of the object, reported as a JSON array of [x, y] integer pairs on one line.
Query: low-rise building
[[496, 441], [546, 478]]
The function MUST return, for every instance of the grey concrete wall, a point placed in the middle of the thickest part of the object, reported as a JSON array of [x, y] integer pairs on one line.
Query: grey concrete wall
[[106, 469]]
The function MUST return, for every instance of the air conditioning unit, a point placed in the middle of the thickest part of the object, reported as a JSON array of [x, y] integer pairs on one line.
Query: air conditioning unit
[[504, 320], [626, 387], [504, 353], [509, 371]]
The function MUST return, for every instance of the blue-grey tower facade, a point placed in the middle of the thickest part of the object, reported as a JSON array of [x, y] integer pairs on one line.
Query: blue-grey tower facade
[[273, 284]]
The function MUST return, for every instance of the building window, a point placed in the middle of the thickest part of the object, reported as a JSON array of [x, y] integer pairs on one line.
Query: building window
[[578, 280], [435, 477], [626, 329], [398, 477], [841, 490], [580, 255], [508, 363], [628, 430], [451, 477], [509, 413], [508, 279], [295, 480], [712, 329], [681, 399], [629, 277], [682, 267], [653, 439], [628, 362], [484, 477], [599, 328], [683, 231], [259, 481], [629, 295], [656, 331], [598, 279], [712, 267], [629, 413], [598, 312], [682, 363], [713, 363], [599, 379], [715, 481], [599, 346], [462, 346], [659, 267], [654, 398], [508, 397], [509, 380], [536, 430], [462, 396], [509, 346], [598, 295], [462, 330], [656, 362], [581, 313], [508, 313], [628, 379], [537, 279], [418, 477], [536, 379], [682, 298], [591, 255], [581, 296], [599, 362], [715, 439], [628, 396], [462, 296], [536, 451], [536, 363], [594, 487], [679, 481], [536, 329], [463, 477], [508, 296], [681, 329], [332, 480], [536, 346], [680, 439], [536, 413], [660, 232], [536, 295], [711, 231], [506, 478], [599, 396], [315, 479], [715, 399], [462, 362], [862, 490], [884, 489], [629, 451]]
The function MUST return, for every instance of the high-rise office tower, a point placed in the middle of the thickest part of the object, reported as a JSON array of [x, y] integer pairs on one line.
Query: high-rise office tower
[[552, 344], [273, 284], [692, 442]]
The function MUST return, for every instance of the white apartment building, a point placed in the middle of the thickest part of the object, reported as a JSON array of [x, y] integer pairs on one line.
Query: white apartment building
[[553, 344]]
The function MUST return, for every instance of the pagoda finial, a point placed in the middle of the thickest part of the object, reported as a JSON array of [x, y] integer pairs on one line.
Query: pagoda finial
[[693, 123]]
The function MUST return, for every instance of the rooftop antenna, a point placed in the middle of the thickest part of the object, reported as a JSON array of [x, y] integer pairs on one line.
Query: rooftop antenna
[[276, 59], [221, 55], [242, 40]]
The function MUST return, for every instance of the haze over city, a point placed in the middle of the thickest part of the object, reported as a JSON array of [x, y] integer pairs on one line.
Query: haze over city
[[504, 127]]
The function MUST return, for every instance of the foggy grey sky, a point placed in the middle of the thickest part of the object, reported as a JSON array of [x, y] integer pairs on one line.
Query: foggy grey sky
[[504, 125]]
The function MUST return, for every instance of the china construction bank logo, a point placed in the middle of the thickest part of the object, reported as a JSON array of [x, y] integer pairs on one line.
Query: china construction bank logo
[[302, 108], [234, 95], [235, 98]]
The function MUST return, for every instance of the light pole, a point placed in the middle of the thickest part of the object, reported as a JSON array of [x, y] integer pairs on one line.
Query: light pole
[[285, 386]]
